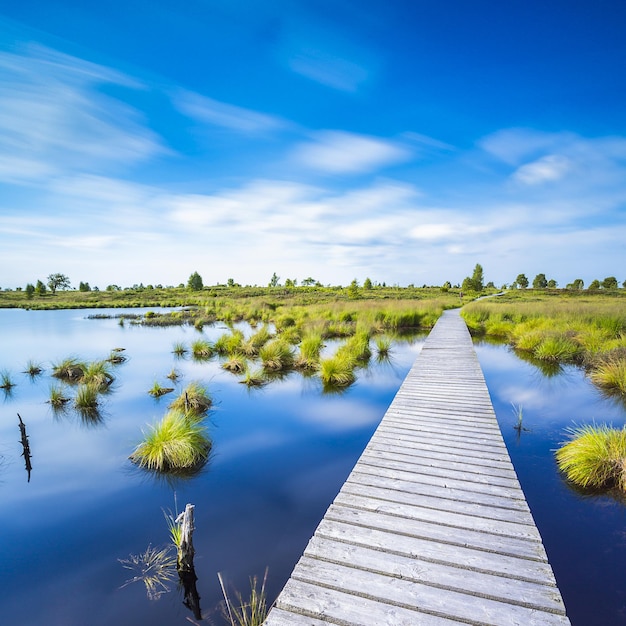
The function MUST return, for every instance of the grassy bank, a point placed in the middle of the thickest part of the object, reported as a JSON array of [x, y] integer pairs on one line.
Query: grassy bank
[[587, 329]]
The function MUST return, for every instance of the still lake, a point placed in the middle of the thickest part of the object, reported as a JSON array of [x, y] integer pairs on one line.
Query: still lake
[[280, 454]]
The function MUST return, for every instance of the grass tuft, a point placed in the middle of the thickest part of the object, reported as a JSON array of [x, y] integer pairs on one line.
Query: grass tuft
[[175, 443], [156, 391], [33, 369], [194, 400], [6, 382], [595, 457], [610, 375]]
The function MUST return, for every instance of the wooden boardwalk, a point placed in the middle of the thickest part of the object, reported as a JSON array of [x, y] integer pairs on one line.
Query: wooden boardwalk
[[431, 526]]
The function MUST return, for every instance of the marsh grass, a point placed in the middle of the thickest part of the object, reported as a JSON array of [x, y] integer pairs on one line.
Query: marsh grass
[[33, 369], [6, 381], [610, 374], [86, 397], [69, 370], [595, 457], [337, 371], [57, 397], [175, 528], [174, 375], [309, 355], [175, 443], [156, 391], [383, 346], [98, 375], [235, 364], [179, 349], [556, 347], [254, 378], [202, 350], [276, 355], [250, 612], [229, 343], [193, 400]]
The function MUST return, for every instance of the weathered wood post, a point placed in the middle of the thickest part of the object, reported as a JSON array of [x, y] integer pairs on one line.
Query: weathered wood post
[[186, 570], [25, 446]]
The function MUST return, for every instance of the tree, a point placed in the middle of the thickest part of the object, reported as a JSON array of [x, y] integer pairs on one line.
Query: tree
[[578, 283], [230, 282], [58, 281], [446, 286], [30, 290], [195, 282], [113, 288], [308, 282], [353, 289], [522, 281], [40, 288], [367, 284], [84, 286], [593, 285], [540, 281], [552, 284], [610, 282], [274, 280], [291, 283]]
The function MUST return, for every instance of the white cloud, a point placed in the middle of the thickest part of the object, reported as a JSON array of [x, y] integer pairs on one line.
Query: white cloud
[[209, 111], [546, 169], [346, 153]]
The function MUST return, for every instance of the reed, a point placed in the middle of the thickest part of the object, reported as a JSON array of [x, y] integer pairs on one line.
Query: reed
[[250, 612], [595, 457], [174, 443]]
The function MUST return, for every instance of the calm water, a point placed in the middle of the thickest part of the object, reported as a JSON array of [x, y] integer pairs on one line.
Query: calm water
[[584, 536], [280, 454]]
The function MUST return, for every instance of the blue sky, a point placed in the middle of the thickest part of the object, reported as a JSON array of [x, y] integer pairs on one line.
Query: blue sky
[[400, 141]]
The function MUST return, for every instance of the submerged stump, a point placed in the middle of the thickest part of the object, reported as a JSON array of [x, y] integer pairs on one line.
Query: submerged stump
[[184, 565]]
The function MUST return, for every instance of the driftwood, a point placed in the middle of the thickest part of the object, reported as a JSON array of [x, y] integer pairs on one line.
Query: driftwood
[[186, 570], [25, 446]]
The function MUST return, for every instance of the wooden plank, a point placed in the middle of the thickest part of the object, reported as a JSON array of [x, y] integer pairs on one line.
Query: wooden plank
[[431, 527]]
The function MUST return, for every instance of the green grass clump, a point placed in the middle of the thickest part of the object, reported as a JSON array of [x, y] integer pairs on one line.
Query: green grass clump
[[57, 398], [556, 348], [179, 349], [175, 443], [610, 374], [86, 397], [229, 343], [69, 370], [6, 382], [194, 400], [236, 364], [337, 371], [254, 378], [595, 457], [276, 355], [156, 391], [310, 349], [383, 346], [98, 375], [356, 348], [202, 349]]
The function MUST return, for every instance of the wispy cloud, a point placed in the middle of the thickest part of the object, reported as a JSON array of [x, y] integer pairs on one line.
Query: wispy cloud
[[54, 118], [209, 111], [546, 169], [347, 153], [328, 69]]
